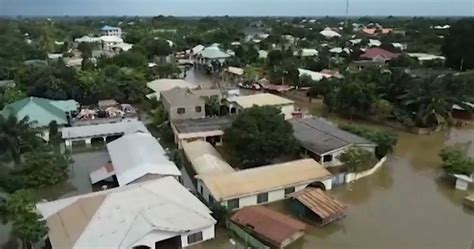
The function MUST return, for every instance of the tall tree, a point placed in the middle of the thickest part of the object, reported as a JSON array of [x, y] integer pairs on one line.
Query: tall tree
[[258, 135], [17, 136], [457, 45]]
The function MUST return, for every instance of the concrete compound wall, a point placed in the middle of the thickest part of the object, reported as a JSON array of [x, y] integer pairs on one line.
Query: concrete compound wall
[[350, 177]]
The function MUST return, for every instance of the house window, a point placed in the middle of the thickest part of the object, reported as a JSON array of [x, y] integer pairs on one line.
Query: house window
[[198, 109], [289, 190], [233, 204], [201, 189], [261, 198], [195, 237], [327, 158], [181, 110], [211, 200]]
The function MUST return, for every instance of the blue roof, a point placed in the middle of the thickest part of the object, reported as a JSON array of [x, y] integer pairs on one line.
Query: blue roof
[[106, 27]]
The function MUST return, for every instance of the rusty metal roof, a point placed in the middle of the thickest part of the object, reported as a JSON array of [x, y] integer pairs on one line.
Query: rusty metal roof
[[326, 207], [269, 225]]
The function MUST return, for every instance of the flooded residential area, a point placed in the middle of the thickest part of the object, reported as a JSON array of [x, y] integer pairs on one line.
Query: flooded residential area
[[309, 124]]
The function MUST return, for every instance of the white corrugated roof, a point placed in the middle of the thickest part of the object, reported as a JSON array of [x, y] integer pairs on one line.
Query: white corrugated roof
[[197, 49], [329, 33], [138, 154], [102, 129], [120, 217], [235, 70], [260, 99], [426, 57], [110, 38], [314, 75], [204, 159]]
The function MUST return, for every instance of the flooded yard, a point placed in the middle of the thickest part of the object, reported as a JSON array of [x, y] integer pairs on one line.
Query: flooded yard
[[407, 204]]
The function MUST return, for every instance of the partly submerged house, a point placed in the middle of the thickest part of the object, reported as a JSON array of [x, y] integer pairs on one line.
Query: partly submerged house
[[316, 206], [154, 214], [262, 185], [324, 141], [135, 157], [273, 228]]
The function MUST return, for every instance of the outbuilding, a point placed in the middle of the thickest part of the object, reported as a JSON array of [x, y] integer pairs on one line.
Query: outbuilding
[[210, 129], [324, 141], [239, 103]]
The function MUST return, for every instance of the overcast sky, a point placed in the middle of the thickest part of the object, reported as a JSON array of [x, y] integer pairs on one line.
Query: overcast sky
[[237, 7]]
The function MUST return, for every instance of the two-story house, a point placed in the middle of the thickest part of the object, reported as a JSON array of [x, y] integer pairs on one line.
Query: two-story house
[[182, 104]]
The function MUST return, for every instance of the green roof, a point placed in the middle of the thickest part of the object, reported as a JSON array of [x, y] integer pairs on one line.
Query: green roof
[[41, 111]]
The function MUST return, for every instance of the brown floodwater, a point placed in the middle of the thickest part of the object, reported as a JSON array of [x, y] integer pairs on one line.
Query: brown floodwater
[[407, 204]]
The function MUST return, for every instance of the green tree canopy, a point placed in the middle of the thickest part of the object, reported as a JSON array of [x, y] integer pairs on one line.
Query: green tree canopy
[[385, 140], [457, 45], [258, 135], [357, 159], [39, 170], [27, 225]]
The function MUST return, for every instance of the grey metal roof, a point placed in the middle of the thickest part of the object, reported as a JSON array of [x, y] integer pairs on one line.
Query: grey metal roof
[[319, 136], [181, 97], [102, 129], [202, 124]]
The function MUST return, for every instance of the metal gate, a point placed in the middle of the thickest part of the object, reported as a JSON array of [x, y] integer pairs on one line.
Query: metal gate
[[338, 179]]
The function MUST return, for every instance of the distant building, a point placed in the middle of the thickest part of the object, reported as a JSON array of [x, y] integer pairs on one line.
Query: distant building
[[329, 33], [155, 214], [182, 104], [423, 57], [239, 103], [378, 54], [111, 31], [324, 141]]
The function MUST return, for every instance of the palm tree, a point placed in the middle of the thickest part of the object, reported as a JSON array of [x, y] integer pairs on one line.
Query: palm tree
[[17, 136], [431, 100]]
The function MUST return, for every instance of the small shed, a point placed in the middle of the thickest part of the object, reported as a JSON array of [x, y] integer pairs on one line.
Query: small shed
[[273, 228], [317, 206]]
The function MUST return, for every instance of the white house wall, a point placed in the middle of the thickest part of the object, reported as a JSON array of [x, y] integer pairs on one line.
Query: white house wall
[[150, 239], [287, 110], [207, 234], [274, 195]]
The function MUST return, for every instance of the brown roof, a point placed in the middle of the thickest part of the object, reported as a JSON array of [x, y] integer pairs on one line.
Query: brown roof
[[263, 179], [269, 225], [67, 225], [321, 204]]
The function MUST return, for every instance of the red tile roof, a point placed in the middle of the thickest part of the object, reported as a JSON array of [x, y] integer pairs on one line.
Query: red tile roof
[[372, 53], [270, 225]]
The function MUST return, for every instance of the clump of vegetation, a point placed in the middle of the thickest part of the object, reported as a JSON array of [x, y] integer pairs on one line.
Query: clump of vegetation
[[455, 161], [258, 135], [385, 140], [357, 159], [19, 209]]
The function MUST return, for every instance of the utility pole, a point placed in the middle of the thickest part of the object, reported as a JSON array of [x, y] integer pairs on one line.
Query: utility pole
[[347, 13]]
